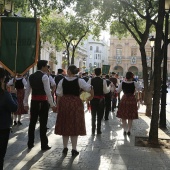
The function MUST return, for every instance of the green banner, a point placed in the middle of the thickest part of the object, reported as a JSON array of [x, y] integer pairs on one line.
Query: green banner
[[19, 43], [105, 69]]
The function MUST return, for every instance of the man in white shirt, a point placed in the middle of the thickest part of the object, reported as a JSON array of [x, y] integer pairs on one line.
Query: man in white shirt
[[38, 83]]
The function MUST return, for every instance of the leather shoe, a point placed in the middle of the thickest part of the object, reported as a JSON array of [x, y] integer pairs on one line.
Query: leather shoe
[[128, 133], [99, 133], [30, 146], [65, 150], [45, 148], [74, 152]]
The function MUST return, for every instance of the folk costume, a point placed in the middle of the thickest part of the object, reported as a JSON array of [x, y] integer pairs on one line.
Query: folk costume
[[20, 84], [128, 104], [70, 120], [107, 103], [97, 103], [38, 82], [57, 79]]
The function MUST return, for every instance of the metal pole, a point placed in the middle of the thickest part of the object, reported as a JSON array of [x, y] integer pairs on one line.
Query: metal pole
[[162, 122], [151, 61]]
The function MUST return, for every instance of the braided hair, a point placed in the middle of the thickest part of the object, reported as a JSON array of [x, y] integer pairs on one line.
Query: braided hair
[[2, 76]]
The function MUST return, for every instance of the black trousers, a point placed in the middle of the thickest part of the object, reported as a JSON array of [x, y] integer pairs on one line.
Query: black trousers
[[97, 110], [4, 137], [38, 109], [107, 106]]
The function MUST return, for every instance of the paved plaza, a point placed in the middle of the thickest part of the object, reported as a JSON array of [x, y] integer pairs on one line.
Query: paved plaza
[[109, 151]]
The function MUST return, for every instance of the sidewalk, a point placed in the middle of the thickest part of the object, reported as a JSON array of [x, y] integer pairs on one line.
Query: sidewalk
[[108, 151]]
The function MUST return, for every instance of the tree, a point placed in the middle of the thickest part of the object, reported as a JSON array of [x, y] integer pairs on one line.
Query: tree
[[39, 7], [66, 32], [139, 18]]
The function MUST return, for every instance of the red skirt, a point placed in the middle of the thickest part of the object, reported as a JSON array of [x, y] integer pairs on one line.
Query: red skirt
[[20, 98], [128, 107], [70, 119]]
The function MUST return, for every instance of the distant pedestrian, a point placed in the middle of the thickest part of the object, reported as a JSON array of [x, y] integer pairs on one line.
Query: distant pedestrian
[[128, 109], [8, 104], [70, 119], [38, 82], [97, 103], [19, 83]]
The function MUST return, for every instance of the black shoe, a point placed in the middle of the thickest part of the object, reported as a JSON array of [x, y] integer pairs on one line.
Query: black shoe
[[15, 123], [45, 148], [99, 132], [128, 133], [19, 123], [124, 133], [65, 150], [106, 119], [74, 152], [30, 146]]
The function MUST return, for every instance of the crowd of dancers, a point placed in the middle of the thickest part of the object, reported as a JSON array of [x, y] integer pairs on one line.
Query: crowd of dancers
[[61, 93]]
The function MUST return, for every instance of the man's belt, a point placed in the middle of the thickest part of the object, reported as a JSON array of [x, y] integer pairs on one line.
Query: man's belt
[[39, 97], [98, 97]]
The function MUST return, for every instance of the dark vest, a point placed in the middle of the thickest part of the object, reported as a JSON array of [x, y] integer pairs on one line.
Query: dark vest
[[85, 78], [97, 84], [128, 88], [36, 83], [71, 87], [19, 84], [58, 78]]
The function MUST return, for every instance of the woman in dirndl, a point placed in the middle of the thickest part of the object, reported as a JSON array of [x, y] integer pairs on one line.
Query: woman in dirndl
[[70, 119], [128, 109], [19, 83]]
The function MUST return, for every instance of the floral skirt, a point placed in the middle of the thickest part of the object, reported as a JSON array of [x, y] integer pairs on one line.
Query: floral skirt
[[128, 107], [20, 98], [70, 119]]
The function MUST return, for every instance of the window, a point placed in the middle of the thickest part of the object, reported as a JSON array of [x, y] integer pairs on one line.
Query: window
[[91, 48], [133, 51], [119, 52], [90, 56], [97, 49]]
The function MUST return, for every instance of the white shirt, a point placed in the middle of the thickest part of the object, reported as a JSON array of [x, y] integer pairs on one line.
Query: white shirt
[[82, 84], [11, 82], [105, 88], [47, 90], [138, 87], [52, 82]]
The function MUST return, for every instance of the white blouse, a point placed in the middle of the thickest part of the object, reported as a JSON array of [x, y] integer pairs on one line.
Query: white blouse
[[138, 87], [82, 84]]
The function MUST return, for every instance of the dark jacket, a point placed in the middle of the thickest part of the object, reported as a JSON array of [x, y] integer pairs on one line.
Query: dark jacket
[[8, 104]]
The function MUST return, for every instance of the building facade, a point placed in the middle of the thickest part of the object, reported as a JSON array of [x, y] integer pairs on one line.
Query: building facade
[[125, 56], [97, 52]]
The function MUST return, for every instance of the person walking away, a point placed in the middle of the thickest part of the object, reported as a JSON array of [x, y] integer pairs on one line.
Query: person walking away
[[97, 103], [58, 78], [127, 109], [107, 99], [19, 83], [8, 104], [113, 79], [38, 82], [70, 119]]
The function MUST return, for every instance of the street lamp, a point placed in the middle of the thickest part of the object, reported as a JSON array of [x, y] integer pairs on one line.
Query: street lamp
[[74, 43], [152, 43], [162, 122]]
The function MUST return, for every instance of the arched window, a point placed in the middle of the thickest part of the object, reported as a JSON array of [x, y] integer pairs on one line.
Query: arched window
[[91, 48]]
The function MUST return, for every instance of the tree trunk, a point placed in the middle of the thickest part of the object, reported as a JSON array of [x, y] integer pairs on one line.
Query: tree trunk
[[147, 87], [153, 134]]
